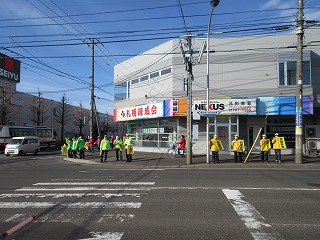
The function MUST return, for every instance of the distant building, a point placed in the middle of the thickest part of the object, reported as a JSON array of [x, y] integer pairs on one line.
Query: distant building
[[252, 85], [10, 73]]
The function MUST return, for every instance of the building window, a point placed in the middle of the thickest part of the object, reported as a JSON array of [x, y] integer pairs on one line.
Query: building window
[[154, 75], [165, 71], [144, 78], [288, 69], [120, 91], [135, 81]]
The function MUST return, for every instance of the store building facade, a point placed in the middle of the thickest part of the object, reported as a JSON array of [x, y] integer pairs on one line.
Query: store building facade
[[252, 86]]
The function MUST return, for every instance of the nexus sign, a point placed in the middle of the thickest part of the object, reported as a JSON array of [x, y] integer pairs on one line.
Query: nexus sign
[[9, 68]]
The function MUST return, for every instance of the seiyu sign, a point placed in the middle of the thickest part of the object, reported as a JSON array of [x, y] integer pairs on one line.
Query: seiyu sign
[[9, 68], [225, 107]]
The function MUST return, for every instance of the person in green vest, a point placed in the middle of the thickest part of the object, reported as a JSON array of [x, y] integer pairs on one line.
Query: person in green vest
[[117, 143], [81, 147], [74, 147], [104, 148], [69, 142]]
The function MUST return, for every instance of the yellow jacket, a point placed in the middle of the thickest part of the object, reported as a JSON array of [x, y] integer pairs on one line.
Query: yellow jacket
[[213, 145], [236, 145], [264, 146], [276, 143]]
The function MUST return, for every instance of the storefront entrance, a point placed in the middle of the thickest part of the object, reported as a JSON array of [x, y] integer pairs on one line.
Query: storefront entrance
[[253, 131]]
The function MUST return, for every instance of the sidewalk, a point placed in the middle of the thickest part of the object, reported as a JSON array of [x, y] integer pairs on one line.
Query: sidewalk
[[163, 160]]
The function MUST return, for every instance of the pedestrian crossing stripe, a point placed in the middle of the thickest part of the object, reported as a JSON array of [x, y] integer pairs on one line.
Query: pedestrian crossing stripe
[[94, 183], [105, 236], [70, 218], [68, 189], [68, 195], [10, 205]]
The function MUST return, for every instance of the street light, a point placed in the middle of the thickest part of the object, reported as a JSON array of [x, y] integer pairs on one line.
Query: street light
[[213, 4]]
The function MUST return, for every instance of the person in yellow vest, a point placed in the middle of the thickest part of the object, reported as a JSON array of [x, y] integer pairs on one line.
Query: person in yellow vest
[[213, 143], [238, 148], [129, 147], [276, 147], [264, 148]]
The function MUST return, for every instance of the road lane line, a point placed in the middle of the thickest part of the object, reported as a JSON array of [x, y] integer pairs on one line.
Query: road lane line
[[93, 183], [10, 205], [254, 221], [105, 236]]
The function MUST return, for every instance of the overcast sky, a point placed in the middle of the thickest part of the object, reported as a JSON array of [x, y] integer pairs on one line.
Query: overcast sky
[[52, 38]]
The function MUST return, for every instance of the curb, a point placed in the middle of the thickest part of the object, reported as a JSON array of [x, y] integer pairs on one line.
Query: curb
[[308, 166]]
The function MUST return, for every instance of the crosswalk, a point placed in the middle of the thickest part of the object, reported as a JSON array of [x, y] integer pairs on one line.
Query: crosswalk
[[59, 201]]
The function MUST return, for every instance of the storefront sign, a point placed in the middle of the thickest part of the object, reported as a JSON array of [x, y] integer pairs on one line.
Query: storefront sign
[[9, 68], [152, 110], [225, 107]]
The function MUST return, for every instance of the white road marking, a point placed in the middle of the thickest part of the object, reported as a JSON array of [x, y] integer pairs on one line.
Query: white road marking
[[94, 183], [105, 236], [9, 205], [64, 195], [68, 189], [254, 221], [15, 217], [155, 188], [70, 217], [129, 169]]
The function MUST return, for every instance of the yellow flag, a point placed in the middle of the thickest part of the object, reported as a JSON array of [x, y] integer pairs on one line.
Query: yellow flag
[[282, 143], [241, 146], [86, 146], [219, 145]]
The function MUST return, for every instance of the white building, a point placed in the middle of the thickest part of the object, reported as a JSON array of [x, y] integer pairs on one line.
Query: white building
[[252, 85]]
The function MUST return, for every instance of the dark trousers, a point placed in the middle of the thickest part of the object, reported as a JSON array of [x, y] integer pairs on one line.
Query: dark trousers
[[129, 157], [118, 154], [264, 156], [105, 154], [238, 156], [74, 153], [70, 153], [81, 153], [215, 157]]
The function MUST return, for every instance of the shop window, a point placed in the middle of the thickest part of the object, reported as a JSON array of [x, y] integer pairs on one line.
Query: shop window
[[285, 127]]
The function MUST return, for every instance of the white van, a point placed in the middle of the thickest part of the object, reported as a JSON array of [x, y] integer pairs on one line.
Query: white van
[[22, 146]]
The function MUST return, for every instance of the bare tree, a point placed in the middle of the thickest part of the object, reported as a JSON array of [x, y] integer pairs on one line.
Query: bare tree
[[80, 118], [106, 124], [7, 109], [63, 115], [38, 110]]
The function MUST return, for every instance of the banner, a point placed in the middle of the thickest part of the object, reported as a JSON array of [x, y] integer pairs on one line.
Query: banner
[[282, 143], [219, 145], [241, 146]]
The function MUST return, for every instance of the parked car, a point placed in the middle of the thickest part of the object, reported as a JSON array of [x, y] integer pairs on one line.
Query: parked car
[[23, 145]]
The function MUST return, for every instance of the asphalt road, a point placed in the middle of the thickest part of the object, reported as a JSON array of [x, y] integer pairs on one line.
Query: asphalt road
[[75, 201]]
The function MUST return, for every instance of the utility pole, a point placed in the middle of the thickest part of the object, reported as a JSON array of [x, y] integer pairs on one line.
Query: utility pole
[[300, 34], [92, 104], [189, 99]]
